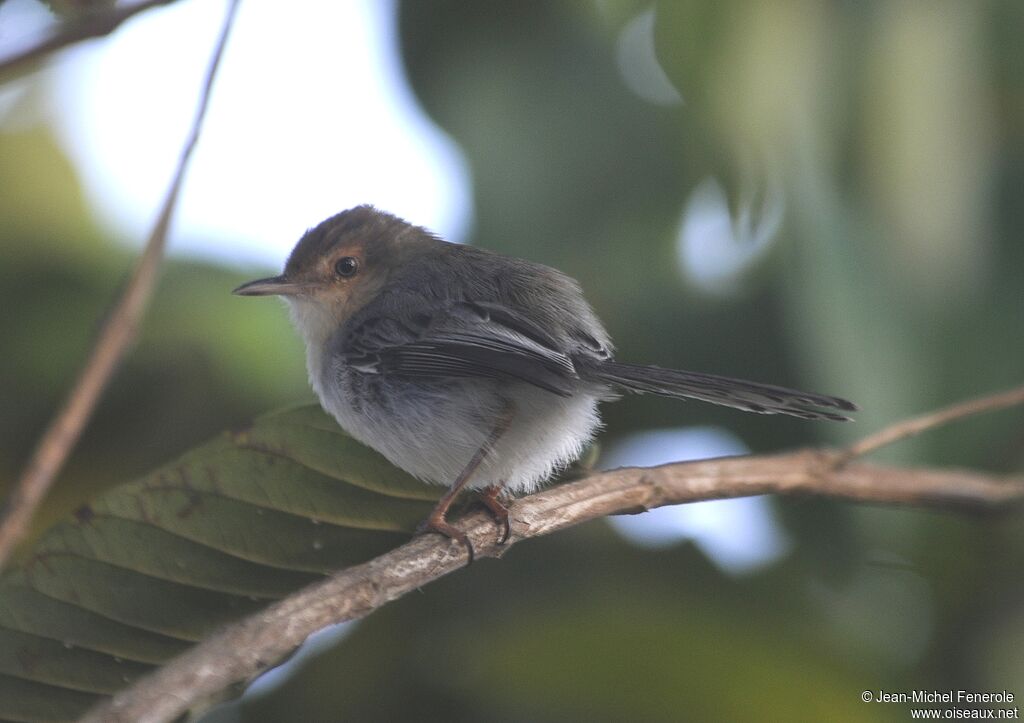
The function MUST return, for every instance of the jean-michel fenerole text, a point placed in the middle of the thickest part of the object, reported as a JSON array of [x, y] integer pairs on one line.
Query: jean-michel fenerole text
[[943, 696]]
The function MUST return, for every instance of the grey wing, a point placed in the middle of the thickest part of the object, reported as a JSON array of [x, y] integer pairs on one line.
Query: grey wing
[[460, 339]]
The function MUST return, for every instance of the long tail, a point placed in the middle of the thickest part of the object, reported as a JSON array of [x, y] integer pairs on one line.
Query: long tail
[[737, 393]]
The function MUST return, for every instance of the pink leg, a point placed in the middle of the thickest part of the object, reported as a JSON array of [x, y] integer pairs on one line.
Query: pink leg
[[436, 521]]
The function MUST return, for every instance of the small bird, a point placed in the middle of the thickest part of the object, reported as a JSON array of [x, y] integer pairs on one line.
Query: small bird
[[468, 368]]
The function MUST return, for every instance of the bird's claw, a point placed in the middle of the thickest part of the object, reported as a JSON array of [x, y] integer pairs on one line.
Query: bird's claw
[[437, 523], [498, 510]]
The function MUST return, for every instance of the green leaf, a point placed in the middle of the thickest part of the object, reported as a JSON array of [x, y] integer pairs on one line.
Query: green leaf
[[154, 565]]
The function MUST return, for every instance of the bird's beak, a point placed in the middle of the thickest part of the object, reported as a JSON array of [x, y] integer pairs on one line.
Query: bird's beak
[[273, 286]]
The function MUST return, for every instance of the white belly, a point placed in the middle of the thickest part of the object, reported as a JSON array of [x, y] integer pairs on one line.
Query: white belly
[[432, 429]]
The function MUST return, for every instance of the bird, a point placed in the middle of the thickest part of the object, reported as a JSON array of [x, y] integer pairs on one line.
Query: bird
[[469, 368]]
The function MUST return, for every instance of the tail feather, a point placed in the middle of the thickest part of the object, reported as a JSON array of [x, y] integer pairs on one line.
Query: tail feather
[[736, 393]]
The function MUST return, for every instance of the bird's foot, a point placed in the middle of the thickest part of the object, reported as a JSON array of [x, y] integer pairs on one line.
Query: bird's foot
[[490, 498], [437, 523]]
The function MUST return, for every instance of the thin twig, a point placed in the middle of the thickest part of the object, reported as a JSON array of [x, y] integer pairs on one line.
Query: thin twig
[[246, 649], [115, 336], [916, 425], [82, 27]]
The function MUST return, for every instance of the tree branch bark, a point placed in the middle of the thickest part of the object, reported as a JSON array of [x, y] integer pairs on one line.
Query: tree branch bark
[[248, 648], [916, 425], [86, 25]]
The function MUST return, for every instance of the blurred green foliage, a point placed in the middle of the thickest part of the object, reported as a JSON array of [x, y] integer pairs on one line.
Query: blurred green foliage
[[895, 129], [137, 575], [191, 373]]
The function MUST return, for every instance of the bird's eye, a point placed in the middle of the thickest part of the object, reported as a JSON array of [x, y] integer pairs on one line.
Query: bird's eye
[[346, 266]]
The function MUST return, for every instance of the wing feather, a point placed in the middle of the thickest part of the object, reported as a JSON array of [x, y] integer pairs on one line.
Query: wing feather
[[460, 339]]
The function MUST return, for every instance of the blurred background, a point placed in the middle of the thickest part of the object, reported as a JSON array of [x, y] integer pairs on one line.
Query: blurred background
[[827, 195]]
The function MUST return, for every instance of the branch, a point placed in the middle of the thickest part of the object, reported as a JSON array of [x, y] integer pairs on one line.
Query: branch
[[916, 425], [246, 649], [82, 27], [117, 333]]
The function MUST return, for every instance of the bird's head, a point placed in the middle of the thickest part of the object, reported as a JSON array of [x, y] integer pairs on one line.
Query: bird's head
[[341, 265]]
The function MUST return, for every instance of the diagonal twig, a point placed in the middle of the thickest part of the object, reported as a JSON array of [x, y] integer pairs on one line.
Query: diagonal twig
[[245, 649], [115, 336], [916, 425], [82, 27]]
